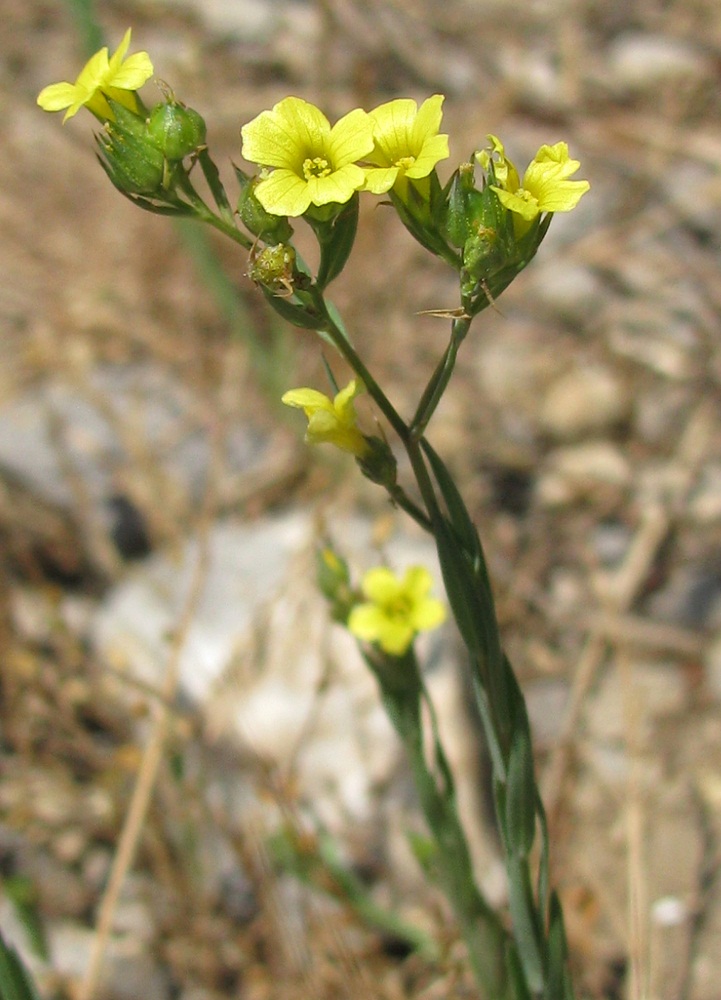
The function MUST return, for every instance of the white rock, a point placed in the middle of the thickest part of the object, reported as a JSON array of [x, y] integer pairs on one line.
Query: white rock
[[261, 658], [128, 969], [570, 291], [577, 471], [583, 400], [639, 61]]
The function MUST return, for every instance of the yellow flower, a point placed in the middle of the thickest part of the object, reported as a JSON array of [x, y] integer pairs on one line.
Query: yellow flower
[[396, 609], [331, 420], [407, 143], [100, 78], [313, 164], [545, 186]]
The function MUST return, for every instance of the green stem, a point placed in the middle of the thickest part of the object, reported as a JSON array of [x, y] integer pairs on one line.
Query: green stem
[[340, 342], [482, 929], [205, 214], [441, 377]]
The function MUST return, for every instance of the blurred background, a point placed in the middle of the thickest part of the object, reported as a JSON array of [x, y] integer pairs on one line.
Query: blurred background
[[158, 510]]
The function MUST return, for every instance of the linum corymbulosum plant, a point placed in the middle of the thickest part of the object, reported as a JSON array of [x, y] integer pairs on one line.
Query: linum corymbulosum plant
[[486, 223]]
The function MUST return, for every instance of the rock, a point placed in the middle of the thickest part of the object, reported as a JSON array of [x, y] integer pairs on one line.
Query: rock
[[122, 416], [579, 471], [641, 61], [260, 658], [583, 400], [570, 292], [129, 971], [657, 690]]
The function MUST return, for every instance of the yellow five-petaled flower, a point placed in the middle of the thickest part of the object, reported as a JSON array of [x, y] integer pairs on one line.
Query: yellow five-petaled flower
[[313, 164], [101, 77], [407, 142], [331, 420], [396, 609], [545, 186]]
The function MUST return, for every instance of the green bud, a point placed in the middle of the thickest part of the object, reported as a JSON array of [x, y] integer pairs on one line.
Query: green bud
[[458, 205], [131, 161], [274, 268], [378, 463], [175, 130], [269, 228], [333, 579]]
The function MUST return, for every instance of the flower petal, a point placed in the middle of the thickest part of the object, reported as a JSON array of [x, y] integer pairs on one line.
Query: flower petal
[[57, 96], [380, 585], [283, 193], [380, 179], [366, 622], [117, 57], [428, 119], [351, 138], [434, 150], [133, 73], [307, 399], [336, 187]]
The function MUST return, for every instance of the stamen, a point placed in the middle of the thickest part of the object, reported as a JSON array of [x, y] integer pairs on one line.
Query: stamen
[[318, 166]]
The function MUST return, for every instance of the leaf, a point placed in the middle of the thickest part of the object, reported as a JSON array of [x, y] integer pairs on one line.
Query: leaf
[[296, 314], [16, 983], [457, 511], [336, 242], [212, 176], [557, 977], [520, 804]]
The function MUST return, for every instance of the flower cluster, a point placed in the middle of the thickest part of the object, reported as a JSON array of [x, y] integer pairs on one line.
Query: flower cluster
[[312, 163]]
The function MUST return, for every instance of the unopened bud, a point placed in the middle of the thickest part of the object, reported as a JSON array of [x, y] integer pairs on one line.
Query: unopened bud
[[269, 228], [133, 163], [378, 463], [175, 130], [274, 268]]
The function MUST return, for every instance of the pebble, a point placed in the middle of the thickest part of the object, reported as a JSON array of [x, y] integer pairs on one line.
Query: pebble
[[129, 970], [641, 61], [142, 401], [584, 400], [577, 471], [571, 292], [657, 689]]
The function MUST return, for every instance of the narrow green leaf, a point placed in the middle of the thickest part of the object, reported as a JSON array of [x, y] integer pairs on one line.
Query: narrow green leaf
[[557, 953], [16, 983], [520, 790], [526, 925], [212, 176], [296, 314], [517, 987], [457, 510], [461, 591], [544, 860], [336, 242]]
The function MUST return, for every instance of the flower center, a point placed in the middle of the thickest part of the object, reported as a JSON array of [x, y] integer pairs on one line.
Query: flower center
[[405, 162], [399, 608], [318, 166]]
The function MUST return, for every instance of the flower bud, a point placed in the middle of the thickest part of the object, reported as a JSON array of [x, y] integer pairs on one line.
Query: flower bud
[[378, 462], [175, 130], [333, 579], [274, 268], [133, 163], [269, 228]]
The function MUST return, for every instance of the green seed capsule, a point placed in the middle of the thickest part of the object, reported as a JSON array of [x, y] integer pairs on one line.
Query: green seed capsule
[[176, 131]]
